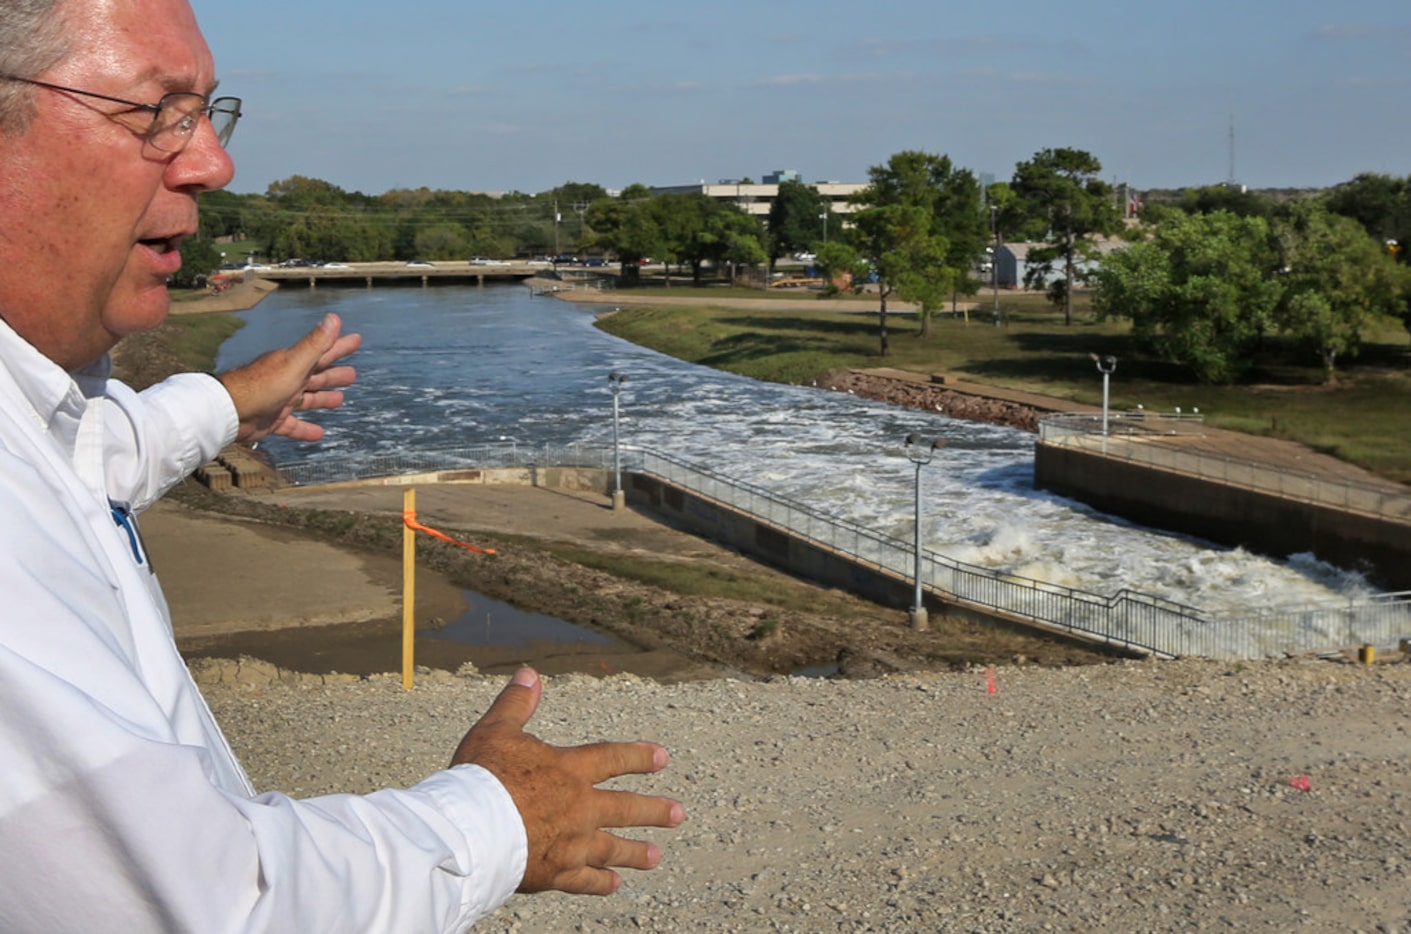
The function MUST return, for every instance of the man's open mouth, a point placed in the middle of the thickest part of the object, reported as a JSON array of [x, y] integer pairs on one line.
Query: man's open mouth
[[161, 244]]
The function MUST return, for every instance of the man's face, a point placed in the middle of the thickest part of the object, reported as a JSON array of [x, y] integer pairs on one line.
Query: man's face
[[91, 215]]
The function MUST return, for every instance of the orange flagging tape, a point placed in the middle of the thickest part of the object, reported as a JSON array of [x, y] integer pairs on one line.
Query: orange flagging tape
[[409, 518]]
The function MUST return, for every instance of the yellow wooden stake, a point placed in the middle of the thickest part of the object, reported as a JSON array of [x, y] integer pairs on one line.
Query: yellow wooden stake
[[408, 591]]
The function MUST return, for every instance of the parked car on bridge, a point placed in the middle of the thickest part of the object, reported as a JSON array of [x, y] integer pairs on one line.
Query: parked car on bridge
[[419, 262], [487, 261]]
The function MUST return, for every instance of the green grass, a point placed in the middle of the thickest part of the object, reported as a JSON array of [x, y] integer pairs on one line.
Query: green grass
[[707, 580], [196, 339], [714, 291], [238, 251], [1365, 419]]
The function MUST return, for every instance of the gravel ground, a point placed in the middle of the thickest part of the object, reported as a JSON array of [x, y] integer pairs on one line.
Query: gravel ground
[[1137, 796]]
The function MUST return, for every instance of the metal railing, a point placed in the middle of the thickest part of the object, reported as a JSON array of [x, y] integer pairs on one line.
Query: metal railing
[[1137, 439], [1128, 618]]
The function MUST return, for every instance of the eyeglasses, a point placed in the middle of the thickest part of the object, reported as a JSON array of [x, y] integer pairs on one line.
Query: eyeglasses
[[174, 118]]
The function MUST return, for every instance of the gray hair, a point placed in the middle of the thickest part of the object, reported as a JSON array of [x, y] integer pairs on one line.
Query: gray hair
[[32, 40]]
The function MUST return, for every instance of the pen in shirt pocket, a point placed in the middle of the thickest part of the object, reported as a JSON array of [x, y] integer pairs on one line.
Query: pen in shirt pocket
[[122, 515]]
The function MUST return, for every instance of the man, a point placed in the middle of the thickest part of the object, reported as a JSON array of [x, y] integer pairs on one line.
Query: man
[[121, 806]]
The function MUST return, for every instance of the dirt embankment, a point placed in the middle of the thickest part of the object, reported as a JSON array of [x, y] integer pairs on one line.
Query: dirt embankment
[[241, 295]]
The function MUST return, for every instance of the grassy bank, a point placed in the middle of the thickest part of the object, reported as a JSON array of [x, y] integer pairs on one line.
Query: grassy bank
[[1365, 419]]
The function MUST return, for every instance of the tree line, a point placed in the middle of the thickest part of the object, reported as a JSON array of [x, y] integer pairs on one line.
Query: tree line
[[1204, 275]]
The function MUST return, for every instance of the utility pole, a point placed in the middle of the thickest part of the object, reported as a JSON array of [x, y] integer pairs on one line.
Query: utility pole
[[1231, 183]]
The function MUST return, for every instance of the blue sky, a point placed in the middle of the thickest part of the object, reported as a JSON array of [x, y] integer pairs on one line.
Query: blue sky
[[503, 96]]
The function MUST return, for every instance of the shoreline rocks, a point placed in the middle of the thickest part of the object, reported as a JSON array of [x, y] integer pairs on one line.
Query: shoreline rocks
[[933, 397]]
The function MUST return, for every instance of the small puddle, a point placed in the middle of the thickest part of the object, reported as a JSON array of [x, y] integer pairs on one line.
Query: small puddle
[[490, 622], [498, 638]]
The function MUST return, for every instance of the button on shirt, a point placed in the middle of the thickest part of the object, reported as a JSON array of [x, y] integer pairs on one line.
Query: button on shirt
[[122, 808]]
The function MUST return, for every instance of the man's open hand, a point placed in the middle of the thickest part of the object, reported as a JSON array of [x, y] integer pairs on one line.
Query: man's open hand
[[555, 790], [271, 388]]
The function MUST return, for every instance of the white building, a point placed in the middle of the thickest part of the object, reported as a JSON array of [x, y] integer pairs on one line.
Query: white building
[[755, 198], [1012, 262]]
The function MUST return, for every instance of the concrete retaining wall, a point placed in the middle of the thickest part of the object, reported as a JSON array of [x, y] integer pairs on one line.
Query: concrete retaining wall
[[584, 479], [1229, 515], [764, 542]]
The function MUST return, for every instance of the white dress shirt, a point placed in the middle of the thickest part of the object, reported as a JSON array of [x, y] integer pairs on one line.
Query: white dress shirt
[[122, 808]]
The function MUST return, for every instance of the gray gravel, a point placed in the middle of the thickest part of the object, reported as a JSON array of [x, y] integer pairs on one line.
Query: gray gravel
[[1141, 796]]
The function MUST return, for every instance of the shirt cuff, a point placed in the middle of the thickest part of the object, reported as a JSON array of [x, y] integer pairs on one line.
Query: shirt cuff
[[229, 420], [214, 421], [496, 847]]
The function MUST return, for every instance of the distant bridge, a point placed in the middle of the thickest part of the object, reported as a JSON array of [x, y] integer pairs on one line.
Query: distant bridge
[[447, 272]]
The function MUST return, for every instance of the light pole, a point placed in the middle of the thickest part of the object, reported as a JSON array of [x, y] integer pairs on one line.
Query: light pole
[[920, 456], [1105, 366], [824, 218], [994, 258], [619, 498]]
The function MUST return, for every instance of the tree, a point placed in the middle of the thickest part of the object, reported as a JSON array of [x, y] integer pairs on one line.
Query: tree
[[839, 260], [302, 191], [696, 229], [1003, 204], [1199, 293], [1336, 279], [1381, 204], [961, 216], [741, 236], [1235, 200], [795, 219], [440, 241], [888, 237], [678, 220], [730, 237], [626, 226], [199, 257], [1064, 205], [921, 228], [222, 214], [576, 193]]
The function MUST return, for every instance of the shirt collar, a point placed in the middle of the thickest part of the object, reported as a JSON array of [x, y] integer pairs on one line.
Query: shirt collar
[[47, 387]]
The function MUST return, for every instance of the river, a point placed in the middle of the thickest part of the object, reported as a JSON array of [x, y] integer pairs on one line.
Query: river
[[450, 366]]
